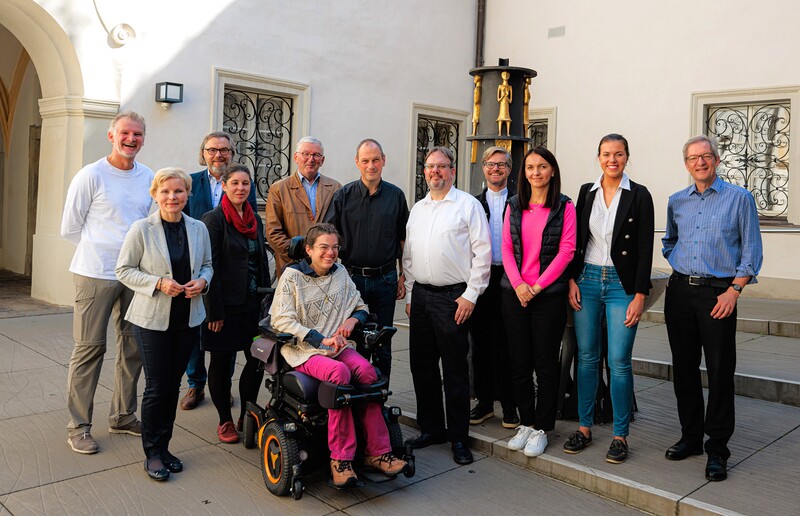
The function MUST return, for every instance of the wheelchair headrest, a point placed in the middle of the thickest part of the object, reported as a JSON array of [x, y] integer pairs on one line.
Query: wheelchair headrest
[[297, 248]]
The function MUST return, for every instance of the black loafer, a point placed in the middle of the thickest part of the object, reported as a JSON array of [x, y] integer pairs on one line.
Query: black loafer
[[425, 439], [716, 468], [461, 453], [576, 442], [172, 463], [681, 450], [617, 452], [155, 469]]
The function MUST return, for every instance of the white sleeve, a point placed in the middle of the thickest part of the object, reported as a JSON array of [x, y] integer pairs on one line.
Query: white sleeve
[[76, 206]]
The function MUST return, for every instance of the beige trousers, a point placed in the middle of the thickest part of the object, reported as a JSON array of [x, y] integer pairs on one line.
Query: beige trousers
[[96, 300]]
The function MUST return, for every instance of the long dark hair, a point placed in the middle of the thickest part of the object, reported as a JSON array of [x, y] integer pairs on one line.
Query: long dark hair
[[553, 189]]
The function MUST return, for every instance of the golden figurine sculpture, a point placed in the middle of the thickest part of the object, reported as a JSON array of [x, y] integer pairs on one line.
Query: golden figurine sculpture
[[504, 95], [526, 100], [476, 105]]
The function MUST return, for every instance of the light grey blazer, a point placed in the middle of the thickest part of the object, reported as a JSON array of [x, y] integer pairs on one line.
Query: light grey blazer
[[145, 258]]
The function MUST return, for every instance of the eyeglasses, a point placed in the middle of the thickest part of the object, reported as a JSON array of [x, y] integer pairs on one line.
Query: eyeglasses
[[224, 151], [438, 166], [499, 165], [325, 248], [316, 155], [708, 158]]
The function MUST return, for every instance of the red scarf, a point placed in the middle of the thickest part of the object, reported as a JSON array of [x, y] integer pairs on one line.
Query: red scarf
[[246, 224]]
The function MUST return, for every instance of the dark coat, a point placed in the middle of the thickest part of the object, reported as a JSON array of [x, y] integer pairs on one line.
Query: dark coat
[[631, 241], [229, 257]]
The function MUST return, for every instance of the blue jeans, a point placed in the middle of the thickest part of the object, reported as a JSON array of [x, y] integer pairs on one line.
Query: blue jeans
[[380, 294], [602, 294]]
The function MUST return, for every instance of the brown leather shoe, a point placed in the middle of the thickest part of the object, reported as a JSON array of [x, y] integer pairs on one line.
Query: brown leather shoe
[[342, 474], [192, 398], [387, 464]]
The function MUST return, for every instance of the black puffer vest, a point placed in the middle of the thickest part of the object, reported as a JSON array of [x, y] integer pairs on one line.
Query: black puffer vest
[[551, 239]]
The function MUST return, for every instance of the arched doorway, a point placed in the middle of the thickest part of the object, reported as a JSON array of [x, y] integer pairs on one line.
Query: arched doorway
[[60, 117]]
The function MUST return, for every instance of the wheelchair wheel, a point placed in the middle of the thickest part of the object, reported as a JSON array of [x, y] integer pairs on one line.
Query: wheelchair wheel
[[249, 431], [395, 436], [279, 454], [297, 489]]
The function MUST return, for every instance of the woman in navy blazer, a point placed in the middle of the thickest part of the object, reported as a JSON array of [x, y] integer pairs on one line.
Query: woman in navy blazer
[[166, 261], [233, 305], [609, 276]]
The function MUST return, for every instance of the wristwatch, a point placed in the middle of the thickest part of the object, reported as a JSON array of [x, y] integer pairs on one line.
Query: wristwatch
[[736, 287]]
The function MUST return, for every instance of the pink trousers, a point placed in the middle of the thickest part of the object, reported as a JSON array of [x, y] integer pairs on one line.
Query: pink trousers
[[350, 366]]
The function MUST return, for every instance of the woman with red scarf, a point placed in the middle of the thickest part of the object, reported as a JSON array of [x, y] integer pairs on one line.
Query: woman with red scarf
[[232, 302]]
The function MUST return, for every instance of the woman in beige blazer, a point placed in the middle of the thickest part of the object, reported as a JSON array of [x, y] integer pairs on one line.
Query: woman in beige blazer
[[166, 261]]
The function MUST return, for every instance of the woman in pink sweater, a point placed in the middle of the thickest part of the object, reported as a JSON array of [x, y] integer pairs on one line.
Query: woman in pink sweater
[[539, 233]]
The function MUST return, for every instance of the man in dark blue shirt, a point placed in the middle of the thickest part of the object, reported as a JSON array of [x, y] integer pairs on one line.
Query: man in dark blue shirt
[[371, 214], [713, 244], [216, 153]]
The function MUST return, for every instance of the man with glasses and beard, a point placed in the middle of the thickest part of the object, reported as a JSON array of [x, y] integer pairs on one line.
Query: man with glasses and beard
[[216, 153]]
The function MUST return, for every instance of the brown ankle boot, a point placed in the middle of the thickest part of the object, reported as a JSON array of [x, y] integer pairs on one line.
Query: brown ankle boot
[[342, 473]]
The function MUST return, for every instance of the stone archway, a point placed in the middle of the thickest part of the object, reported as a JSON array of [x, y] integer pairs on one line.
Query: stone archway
[[63, 110]]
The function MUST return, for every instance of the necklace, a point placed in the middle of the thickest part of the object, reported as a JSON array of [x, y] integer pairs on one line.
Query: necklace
[[325, 292]]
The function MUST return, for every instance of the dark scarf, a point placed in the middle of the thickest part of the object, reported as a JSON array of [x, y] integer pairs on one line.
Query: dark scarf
[[246, 224]]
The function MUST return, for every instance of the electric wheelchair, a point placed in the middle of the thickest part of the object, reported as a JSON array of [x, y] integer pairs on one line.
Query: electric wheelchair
[[291, 430]]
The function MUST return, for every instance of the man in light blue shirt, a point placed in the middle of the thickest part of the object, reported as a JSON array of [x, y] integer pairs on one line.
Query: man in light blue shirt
[[713, 244]]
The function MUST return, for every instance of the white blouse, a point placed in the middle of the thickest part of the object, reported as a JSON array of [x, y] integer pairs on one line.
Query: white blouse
[[601, 223]]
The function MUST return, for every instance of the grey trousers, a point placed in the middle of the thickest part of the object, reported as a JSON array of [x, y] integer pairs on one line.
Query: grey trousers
[[96, 300]]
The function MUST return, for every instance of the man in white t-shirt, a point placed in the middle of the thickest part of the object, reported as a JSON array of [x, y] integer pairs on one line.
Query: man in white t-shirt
[[103, 200]]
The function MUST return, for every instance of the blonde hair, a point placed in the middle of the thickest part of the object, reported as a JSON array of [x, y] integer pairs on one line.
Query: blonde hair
[[170, 173]]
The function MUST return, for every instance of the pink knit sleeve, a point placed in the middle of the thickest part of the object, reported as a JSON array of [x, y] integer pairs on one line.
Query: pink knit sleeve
[[566, 249], [509, 262]]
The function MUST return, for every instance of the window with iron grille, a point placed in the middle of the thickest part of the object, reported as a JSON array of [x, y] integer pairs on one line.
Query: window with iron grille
[[754, 152], [433, 132], [537, 132], [261, 126]]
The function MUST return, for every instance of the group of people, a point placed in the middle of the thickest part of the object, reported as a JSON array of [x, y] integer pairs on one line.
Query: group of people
[[183, 279], [514, 263]]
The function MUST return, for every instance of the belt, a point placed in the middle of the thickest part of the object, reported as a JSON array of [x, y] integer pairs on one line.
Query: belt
[[371, 271], [698, 281], [458, 287]]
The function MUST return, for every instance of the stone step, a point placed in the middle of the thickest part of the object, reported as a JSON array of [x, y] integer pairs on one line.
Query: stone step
[[764, 388]]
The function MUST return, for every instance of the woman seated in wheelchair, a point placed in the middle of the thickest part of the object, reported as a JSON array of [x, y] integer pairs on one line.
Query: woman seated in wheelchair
[[317, 302]]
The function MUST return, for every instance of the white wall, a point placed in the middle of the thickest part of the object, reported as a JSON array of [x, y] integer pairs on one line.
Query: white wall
[[630, 67], [365, 63]]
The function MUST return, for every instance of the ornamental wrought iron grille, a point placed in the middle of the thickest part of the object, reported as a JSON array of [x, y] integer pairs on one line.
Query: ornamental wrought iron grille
[[261, 127], [537, 132], [433, 132], [754, 152]]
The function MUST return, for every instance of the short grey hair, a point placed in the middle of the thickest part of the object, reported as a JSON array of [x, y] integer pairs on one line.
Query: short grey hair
[[369, 141], [712, 143], [133, 115], [216, 134], [444, 150], [310, 139], [491, 150]]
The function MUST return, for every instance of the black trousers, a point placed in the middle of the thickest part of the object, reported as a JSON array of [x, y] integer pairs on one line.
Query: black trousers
[[164, 358], [693, 332], [435, 336], [490, 365], [534, 340]]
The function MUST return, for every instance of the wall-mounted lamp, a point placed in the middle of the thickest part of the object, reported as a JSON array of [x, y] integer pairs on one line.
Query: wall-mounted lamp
[[169, 93]]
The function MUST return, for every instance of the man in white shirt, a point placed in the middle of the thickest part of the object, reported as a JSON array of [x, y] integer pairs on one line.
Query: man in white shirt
[[446, 259], [491, 371], [103, 200]]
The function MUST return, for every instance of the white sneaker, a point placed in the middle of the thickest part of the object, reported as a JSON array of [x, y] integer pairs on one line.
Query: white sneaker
[[536, 444], [518, 441]]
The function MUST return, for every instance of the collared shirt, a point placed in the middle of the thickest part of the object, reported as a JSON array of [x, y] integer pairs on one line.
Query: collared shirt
[[714, 233], [216, 189], [601, 223], [311, 191], [447, 242], [373, 226], [496, 202]]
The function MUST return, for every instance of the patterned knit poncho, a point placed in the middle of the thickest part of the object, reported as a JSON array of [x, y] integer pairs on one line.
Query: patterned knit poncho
[[303, 303]]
